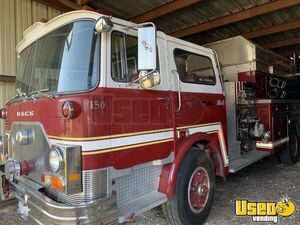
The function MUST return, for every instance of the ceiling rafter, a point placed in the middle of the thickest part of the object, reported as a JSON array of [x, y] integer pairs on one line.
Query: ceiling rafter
[[164, 9], [289, 53], [272, 30], [283, 43], [236, 17], [83, 2], [60, 4]]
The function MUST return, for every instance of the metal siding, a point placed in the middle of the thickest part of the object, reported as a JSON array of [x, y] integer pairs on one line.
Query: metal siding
[[129, 8], [15, 17], [38, 11], [7, 90], [7, 40], [23, 17], [53, 13]]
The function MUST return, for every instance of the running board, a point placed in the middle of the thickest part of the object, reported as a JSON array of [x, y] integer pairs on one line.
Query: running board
[[140, 205], [247, 159]]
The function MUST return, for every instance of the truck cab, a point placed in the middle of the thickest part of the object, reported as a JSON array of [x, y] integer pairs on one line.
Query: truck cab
[[111, 119]]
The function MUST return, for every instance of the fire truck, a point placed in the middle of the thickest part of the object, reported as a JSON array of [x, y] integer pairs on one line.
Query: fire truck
[[112, 119]]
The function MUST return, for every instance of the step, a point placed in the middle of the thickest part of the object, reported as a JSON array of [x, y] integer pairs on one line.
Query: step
[[141, 205], [246, 159]]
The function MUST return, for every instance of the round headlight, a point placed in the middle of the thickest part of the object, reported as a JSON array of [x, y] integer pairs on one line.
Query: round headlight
[[55, 160]]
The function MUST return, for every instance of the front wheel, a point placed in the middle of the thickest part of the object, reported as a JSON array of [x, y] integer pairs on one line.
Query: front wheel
[[194, 190]]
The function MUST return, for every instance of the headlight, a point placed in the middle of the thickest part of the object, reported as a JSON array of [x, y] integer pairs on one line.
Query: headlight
[[56, 161]]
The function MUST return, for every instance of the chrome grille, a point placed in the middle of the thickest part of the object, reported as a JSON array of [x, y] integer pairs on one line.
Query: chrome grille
[[94, 187], [4, 145]]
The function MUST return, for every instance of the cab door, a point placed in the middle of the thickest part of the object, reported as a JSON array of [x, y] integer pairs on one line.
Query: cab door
[[141, 120], [197, 90]]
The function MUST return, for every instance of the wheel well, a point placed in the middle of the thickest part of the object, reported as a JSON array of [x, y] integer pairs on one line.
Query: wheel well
[[214, 154], [202, 145], [201, 141]]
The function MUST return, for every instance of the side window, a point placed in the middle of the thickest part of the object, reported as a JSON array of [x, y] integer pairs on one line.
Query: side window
[[124, 57], [194, 68]]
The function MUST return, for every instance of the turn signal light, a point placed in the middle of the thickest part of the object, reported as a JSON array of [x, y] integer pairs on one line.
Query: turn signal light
[[182, 134], [57, 183], [67, 110], [3, 113]]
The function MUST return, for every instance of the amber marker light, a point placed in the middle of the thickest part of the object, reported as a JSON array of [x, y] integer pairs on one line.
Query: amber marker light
[[67, 110], [74, 177], [57, 182]]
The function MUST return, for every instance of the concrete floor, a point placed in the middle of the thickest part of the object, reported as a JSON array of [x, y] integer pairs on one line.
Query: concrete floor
[[266, 180]]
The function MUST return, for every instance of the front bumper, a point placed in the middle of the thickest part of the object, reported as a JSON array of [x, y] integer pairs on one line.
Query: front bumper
[[44, 210]]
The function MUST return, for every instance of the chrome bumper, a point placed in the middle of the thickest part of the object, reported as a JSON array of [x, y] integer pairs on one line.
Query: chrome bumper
[[46, 211]]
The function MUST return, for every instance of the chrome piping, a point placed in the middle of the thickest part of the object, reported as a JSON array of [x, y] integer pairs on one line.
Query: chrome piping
[[179, 89]]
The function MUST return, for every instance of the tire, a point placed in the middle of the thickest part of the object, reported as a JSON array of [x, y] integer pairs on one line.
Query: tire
[[191, 206], [290, 155]]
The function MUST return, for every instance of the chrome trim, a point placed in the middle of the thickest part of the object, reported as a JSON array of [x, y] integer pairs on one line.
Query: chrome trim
[[271, 145], [175, 73], [46, 211], [70, 166], [93, 185], [4, 147], [71, 108]]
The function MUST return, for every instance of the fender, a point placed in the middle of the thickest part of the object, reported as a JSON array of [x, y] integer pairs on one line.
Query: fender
[[169, 172]]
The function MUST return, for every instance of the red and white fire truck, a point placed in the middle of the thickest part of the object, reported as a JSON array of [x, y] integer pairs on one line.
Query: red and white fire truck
[[113, 118]]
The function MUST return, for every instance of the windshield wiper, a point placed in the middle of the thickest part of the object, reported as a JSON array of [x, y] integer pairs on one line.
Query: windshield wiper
[[33, 94], [19, 94]]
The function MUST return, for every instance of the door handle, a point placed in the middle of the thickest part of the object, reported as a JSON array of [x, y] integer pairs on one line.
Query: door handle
[[175, 73], [164, 99]]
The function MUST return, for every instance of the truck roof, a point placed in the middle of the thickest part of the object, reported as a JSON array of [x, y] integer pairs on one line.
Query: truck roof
[[39, 29]]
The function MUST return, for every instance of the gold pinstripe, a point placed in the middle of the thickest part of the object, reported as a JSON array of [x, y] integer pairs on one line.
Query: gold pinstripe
[[127, 134], [199, 125]]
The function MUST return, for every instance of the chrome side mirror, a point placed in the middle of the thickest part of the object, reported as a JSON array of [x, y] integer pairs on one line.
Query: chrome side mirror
[[104, 24], [150, 80], [147, 48]]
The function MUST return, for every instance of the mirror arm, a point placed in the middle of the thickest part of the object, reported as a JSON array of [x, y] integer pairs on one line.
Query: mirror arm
[[140, 25], [142, 77], [179, 89]]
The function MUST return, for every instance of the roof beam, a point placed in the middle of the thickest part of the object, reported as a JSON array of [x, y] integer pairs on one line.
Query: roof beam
[[236, 17], [55, 4], [164, 9], [272, 30], [70, 4], [288, 52], [283, 43], [83, 2], [62, 5]]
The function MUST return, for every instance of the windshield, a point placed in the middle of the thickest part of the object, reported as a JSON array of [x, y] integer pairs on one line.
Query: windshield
[[65, 60]]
